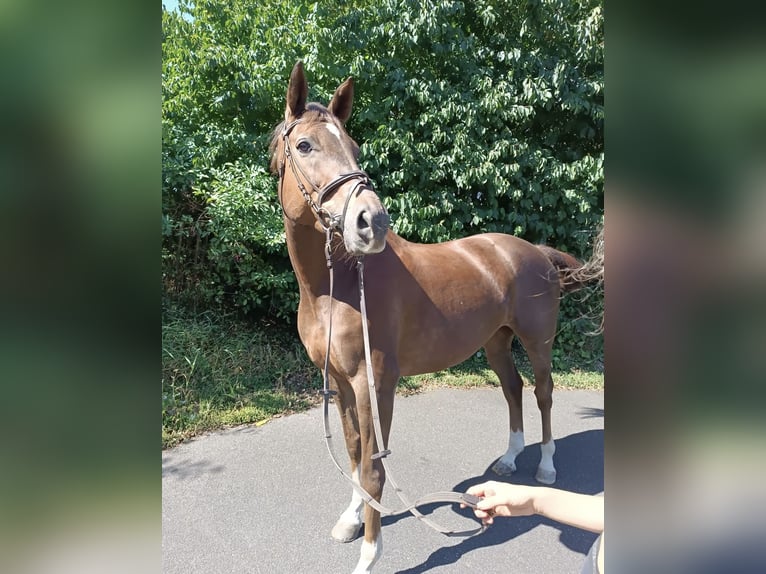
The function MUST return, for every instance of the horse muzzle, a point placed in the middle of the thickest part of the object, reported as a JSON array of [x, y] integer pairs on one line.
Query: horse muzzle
[[366, 225]]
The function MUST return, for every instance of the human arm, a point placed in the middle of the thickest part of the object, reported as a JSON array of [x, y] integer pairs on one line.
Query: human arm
[[504, 499]]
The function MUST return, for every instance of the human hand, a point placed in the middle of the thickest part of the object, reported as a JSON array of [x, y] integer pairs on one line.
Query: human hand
[[503, 499]]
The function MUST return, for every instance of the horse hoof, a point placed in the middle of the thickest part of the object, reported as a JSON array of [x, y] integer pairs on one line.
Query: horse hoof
[[503, 468], [345, 532], [545, 476]]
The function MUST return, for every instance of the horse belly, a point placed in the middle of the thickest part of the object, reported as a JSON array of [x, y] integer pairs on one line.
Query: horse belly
[[447, 344]]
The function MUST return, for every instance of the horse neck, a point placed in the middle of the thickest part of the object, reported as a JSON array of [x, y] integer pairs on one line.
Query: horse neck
[[306, 248]]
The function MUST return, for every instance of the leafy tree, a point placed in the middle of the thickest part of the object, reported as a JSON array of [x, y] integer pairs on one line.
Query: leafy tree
[[224, 65], [472, 117]]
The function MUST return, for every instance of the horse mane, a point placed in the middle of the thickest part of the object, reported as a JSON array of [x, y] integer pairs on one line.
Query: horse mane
[[314, 112]]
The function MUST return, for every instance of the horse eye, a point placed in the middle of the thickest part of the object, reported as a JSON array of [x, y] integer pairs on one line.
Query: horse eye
[[304, 146]]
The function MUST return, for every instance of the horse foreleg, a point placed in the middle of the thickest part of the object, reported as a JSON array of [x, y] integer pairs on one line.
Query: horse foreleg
[[350, 521], [500, 359], [372, 545], [372, 475]]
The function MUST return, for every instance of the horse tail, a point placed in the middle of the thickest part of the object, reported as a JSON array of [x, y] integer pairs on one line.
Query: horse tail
[[569, 268]]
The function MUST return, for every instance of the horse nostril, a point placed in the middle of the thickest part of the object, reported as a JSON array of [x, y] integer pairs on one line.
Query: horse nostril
[[382, 221], [363, 221]]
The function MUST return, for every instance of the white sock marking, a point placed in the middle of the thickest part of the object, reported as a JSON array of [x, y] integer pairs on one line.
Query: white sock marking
[[515, 447], [353, 514], [546, 455], [371, 551]]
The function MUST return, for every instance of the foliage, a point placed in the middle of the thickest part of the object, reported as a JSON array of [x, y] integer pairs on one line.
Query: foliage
[[472, 117], [484, 116]]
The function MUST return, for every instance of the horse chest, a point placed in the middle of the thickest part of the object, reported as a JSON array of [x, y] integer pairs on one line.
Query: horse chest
[[346, 343]]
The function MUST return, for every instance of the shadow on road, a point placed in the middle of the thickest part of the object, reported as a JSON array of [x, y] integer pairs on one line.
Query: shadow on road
[[187, 469], [580, 464]]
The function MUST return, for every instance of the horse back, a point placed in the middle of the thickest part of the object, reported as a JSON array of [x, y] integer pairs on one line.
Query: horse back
[[491, 266]]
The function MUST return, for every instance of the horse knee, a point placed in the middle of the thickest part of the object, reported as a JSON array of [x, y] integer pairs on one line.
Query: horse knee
[[544, 398], [373, 478]]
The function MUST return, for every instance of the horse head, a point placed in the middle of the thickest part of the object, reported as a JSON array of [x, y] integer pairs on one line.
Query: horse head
[[320, 183]]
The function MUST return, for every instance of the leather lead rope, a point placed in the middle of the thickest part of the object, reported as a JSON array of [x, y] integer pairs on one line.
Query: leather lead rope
[[331, 223], [411, 507]]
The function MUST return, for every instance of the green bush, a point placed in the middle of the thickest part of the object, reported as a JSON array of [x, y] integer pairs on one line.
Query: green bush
[[486, 116], [472, 117]]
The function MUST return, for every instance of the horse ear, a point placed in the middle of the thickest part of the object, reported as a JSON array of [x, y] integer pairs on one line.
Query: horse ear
[[297, 93], [342, 101]]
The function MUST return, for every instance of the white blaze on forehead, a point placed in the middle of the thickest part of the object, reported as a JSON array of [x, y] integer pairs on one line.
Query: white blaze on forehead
[[333, 129]]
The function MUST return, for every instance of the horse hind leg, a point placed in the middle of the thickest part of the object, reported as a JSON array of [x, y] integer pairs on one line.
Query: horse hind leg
[[540, 357], [349, 524], [500, 359]]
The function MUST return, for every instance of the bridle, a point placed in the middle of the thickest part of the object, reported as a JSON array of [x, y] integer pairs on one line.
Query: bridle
[[334, 223], [327, 220]]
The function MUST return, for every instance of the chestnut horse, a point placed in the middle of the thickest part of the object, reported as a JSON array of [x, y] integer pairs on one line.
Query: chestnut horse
[[429, 306]]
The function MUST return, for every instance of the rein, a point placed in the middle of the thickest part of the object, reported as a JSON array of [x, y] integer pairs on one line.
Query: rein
[[411, 507], [331, 223]]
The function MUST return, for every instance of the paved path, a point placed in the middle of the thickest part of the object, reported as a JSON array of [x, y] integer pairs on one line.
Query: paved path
[[263, 500]]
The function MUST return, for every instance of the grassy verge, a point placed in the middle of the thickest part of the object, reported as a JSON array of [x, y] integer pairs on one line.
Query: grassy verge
[[219, 372], [475, 373]]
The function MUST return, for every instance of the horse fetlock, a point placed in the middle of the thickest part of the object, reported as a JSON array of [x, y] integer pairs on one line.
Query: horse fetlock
[[350, 522], [546, 472], [507, 463], [347, 528], [504, 467], [545, 475], [370, 553]]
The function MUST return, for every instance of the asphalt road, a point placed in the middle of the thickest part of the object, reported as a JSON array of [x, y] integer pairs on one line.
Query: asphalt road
[[262, 500]]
